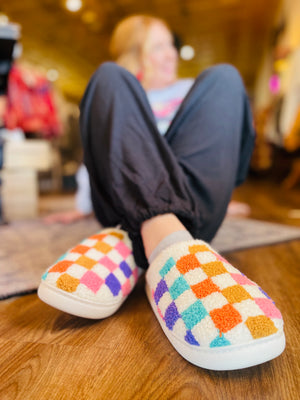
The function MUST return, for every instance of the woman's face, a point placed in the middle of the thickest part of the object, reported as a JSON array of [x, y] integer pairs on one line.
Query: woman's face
[[159, 58]]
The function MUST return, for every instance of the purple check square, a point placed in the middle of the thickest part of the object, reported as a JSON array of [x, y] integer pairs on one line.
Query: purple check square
[[171, 315], [160, 290], [126, 269], [113, 284]]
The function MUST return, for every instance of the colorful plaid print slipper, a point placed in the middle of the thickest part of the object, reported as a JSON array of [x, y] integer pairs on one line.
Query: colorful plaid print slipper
[[94, 278], [213, 315]]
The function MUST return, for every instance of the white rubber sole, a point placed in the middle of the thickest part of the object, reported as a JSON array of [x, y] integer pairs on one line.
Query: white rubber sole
[[70, 304], [225, 358]]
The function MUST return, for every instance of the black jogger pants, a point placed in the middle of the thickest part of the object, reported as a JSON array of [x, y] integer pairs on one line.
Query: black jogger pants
[[191, 171]]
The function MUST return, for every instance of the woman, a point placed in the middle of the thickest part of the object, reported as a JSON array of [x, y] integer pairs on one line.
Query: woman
[[164, 156]]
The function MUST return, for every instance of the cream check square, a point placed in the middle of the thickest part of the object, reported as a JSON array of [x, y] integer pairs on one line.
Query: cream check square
[[179, 328], [52, 278], [195, 276], [205, 257], [94, 254], [254, 291], [278, 323], [230, 268], [248, 308], [164, 302], [104, 293], [171, 276], [205, 331], [115, 256], [156, 278], [111, 240], [84, 291], [237, 333], [214, 300], [71, 257], [185, 300], [120, 276], [101, 271], [77, 271], [131, 280], [223, 280], [89, 242], [185, 249]]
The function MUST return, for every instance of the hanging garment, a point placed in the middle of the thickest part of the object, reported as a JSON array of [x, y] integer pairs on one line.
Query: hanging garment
[[30, 104], [292, 139]]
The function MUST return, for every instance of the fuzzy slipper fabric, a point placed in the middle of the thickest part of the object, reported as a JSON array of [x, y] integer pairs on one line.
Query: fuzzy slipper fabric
[[213, 315], [94, 278]]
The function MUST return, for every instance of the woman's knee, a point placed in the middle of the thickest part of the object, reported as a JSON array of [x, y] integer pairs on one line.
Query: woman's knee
[[111, 76], [108, 71], [227, 74]]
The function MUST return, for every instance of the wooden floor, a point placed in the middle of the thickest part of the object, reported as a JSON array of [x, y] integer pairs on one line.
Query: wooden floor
[[46, 354]]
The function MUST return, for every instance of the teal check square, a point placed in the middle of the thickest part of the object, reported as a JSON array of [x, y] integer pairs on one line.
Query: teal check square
[[194, 314], [167, 267], [179, 286]]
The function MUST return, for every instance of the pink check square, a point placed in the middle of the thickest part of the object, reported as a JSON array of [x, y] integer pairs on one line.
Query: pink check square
[[123, 249], [268, 307], [108, 263], [92, 281], [126, 288], [242, 279]]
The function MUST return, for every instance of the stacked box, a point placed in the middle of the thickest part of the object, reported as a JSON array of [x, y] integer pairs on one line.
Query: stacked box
[[22, 162], [35, 154], [19, 193]]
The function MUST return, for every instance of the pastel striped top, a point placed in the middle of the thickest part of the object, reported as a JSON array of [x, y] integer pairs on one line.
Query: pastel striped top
[[165, 102]]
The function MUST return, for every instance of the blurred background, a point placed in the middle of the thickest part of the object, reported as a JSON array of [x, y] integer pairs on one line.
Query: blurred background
[[50, 48]]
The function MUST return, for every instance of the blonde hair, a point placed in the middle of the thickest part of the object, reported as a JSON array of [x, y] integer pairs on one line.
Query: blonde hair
[[129, 38]]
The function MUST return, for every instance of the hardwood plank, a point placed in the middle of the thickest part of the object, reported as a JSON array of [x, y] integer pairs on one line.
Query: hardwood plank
[[127, 356]]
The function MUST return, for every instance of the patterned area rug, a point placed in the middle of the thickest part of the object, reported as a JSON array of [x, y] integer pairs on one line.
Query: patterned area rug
[[29, 247]]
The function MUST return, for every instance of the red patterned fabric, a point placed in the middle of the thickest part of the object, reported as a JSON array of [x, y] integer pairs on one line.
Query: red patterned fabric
[[30, 104]]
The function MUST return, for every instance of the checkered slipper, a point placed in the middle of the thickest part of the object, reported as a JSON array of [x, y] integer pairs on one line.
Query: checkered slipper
[[213, 315], [94, 278]]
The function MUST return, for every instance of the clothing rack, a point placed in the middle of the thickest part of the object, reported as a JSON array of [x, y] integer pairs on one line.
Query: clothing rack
[[9, 35]]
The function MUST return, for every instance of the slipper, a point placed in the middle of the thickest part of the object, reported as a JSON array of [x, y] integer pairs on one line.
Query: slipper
[[94, 278], [212, 314]]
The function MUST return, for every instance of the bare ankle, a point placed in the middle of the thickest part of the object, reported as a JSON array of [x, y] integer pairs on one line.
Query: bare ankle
[[157, 228]]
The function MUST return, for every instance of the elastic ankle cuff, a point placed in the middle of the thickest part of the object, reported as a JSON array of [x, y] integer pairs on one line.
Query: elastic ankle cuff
[[178, 236]]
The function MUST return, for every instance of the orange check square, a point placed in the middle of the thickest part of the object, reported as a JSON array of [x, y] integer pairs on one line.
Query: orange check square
[[67, 283], [61, 266], [118, 235], [187, 263], [225, 318], [235, 294], [86, 262], [81, 249], [98, 236], [260, 326], [103, 247], [197, 248], [204, 288], [214, 268]]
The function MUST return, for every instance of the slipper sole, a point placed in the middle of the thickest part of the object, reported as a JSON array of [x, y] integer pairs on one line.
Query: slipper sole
[[79, 307]]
